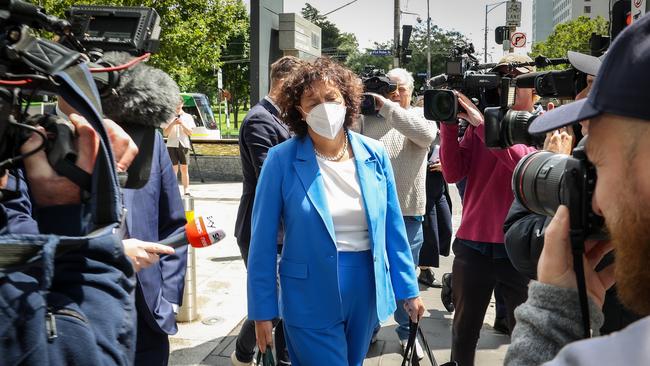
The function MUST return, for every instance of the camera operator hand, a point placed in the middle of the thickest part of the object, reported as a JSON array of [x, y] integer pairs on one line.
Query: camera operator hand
[[143, 254], [555, 265], [379, 101], [559, 141], [124, 148], [47, 187], [471, 113]]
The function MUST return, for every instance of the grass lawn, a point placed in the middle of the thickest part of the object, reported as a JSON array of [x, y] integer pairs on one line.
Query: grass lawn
[[226, 132]]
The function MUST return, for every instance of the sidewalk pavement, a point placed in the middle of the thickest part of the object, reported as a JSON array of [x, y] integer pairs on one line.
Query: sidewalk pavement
[[221, 299]]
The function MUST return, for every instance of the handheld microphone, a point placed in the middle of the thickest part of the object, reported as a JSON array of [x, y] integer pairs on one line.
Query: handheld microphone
[[199, 233]]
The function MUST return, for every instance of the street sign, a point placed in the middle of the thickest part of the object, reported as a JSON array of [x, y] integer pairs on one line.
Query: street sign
[[219, 79], [381, 52], [518, 39], [421, 74], [638, 9], [513, 13]]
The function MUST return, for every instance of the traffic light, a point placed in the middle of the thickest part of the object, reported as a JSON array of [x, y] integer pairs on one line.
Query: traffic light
[[501, 34], [621, 16], [407, 55]]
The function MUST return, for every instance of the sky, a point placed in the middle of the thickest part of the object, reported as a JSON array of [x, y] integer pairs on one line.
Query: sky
[[372, 20]]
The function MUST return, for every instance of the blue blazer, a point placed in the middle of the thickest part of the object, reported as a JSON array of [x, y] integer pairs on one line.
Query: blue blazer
[[291, 187], [155, 212]]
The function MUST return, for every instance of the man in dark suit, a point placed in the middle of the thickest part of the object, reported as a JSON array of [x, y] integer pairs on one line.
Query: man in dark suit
[[155, 212], [261, 130]]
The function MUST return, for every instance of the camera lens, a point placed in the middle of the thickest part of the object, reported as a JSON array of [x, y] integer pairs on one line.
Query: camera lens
[[515, 125], [537, 181], [444, 105]]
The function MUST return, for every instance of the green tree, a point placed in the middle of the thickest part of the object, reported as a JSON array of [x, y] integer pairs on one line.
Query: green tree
[[442, 44], [192, 36], [334, 43], [571, 36], [358, 61]]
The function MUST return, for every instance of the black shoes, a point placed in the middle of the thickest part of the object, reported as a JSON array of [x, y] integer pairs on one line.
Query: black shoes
[[428, 278], [445, 294], [501, 326]]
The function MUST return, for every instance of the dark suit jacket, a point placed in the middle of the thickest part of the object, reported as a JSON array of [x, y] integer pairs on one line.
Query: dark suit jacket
[[155, 212], [260, 131]]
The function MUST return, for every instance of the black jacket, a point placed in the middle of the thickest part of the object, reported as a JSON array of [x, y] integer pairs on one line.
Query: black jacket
[[524, 240], [260, 131]]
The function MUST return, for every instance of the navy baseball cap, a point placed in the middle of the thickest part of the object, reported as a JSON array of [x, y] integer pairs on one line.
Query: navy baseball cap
[[620, 88]]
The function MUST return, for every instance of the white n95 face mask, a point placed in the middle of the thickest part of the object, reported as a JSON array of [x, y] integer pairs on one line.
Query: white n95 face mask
[[326, 119]]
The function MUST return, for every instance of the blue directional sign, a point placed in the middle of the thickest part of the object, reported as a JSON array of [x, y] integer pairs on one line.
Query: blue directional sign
[[381, 52]]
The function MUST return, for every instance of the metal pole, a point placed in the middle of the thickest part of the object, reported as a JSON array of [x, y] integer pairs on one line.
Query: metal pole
[[486, 32], [428, 43], [396, 31], [189, 310]]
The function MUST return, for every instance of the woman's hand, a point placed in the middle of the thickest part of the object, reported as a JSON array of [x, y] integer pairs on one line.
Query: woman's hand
[[264, 334], [471, 114], [415, 308]]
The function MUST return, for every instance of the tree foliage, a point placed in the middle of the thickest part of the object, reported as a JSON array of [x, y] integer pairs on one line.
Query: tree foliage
[[571, 36], [192, 39], [334, 43], [442, 44]]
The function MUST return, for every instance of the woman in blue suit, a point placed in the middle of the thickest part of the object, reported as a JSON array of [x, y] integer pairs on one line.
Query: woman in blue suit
[[346, 259]]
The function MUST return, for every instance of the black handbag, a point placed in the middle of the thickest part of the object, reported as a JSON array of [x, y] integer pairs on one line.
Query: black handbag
[[266, 358], [410, 356]]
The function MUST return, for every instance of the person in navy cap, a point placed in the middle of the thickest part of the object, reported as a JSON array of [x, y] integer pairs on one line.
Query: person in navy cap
[[548, 323]]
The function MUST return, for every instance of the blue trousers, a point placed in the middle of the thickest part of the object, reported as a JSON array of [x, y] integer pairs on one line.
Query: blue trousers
[[416, 238], [347, 342]]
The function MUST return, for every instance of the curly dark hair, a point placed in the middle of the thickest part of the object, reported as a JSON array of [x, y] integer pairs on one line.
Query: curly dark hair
[[303, 79]]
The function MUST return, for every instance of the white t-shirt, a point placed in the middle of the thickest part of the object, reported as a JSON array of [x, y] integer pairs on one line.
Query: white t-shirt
[[176, 137], [345, 204]]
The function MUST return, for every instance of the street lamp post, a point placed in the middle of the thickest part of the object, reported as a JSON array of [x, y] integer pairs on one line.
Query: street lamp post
[[488, 9], [428, 43]]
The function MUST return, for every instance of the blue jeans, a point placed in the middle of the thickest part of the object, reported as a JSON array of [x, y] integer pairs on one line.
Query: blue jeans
[[416, 238]]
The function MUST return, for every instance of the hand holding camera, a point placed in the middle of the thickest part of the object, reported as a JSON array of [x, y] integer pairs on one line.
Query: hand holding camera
[[555, 265], [47, 187], [471, 113]]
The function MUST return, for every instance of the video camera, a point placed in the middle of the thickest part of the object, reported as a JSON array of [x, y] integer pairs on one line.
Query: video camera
[[505, 127], [28, 63], [542, 181], [374, 81], [463, 73]]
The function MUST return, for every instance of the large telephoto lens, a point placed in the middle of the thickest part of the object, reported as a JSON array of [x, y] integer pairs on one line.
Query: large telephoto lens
[[515, 129], [537, 181]]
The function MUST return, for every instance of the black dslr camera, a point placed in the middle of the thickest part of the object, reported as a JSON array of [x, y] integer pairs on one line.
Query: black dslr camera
[[464, 74], [374, 81], [542, 181]]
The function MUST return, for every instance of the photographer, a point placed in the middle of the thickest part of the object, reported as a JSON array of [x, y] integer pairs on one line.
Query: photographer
[[406, 135], [617, 147], [480, 256], [524, 230]]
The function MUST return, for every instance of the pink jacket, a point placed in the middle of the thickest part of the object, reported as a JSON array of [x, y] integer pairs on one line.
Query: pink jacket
[[488, 193]]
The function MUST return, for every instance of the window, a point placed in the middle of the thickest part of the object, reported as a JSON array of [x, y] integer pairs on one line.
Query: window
[[587, 9]]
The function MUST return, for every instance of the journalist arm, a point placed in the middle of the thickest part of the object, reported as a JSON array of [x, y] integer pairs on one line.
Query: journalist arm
[[409, 122]]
